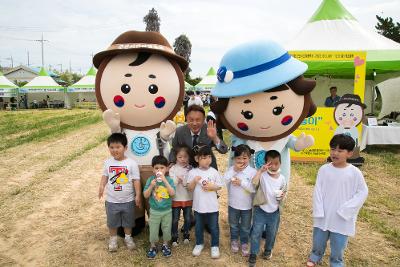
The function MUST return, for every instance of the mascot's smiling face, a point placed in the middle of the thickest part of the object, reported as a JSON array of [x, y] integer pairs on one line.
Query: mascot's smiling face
[[144, 88], [265, 114], [348, 115]]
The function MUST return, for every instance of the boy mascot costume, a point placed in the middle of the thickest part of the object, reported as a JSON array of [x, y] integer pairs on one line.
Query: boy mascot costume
[[348, 114], [140, 88], [263, 98]]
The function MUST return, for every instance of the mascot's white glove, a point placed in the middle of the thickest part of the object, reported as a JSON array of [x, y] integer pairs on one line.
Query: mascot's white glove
[[113, 120], [167, 130], [304, 141]]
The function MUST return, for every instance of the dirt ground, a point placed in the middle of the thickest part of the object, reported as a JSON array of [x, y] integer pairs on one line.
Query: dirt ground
[[50, 215]]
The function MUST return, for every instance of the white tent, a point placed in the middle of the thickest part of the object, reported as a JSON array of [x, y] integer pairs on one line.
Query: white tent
[[42, 86], [83, 90], [333, 28], [389, 90], [188, 87], [208, 82], [7, 88]]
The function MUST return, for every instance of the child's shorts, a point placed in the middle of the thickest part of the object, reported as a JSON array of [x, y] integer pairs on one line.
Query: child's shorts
[[120, 214]]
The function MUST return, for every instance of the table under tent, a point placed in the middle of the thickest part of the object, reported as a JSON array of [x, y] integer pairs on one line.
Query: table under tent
[[43, 92], [82, 93], [8, 92], [333, 28]]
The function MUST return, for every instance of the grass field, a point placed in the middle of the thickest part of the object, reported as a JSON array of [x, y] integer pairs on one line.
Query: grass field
[[50, 166]]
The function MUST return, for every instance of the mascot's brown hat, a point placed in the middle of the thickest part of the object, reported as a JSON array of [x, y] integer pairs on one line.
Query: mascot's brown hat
[[137, 41]]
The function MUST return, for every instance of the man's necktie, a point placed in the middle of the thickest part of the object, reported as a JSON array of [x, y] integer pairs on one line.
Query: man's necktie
[[195, 137]]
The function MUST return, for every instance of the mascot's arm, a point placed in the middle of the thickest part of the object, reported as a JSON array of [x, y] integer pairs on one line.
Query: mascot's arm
[[167, 130], [303, 141], [113, 120]]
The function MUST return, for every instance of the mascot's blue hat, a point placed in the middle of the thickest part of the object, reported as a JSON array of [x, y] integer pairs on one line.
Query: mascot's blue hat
[[255, 67]]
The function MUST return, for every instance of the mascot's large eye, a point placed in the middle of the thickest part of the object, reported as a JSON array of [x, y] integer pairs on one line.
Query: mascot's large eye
[[278, 110], [247, 114], [153, 89], [125, 88]]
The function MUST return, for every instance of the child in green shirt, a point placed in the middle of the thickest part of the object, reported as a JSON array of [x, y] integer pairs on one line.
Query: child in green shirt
[[159, 189]]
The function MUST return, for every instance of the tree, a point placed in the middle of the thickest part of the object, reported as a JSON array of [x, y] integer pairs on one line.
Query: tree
[[388, 28], [183, 47], [152, 21], [70, 78]]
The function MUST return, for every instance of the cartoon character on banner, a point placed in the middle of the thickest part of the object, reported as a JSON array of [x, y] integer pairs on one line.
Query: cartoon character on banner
[[263, 98], [348, 114], [140, 88]]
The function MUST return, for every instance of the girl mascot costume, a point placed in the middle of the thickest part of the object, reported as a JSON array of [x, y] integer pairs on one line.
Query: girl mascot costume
[[140, 88], [263, 98]]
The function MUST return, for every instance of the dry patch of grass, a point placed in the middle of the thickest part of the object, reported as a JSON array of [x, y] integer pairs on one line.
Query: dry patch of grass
[[57, 220]]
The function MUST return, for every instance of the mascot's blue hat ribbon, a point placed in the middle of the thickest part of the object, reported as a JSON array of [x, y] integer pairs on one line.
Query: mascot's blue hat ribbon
[[255, 67]]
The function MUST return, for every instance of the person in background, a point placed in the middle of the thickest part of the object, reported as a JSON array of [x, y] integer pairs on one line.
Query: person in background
[[331, 100], [195, 100]]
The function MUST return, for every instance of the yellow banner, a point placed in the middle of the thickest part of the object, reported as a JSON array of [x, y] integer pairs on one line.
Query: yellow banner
[[322, 124]]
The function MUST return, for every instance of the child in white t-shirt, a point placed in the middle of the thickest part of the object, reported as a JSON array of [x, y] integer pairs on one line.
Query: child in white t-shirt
[[122, 179], [266, 214], [339, 193], [205, 181], [183, 198], [240, 193]]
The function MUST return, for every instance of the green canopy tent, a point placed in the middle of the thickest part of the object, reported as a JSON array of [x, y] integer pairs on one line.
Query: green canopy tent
[[188, 87], [208, 82], [82, 93], [42, 86], [333, 28], [7, 90]]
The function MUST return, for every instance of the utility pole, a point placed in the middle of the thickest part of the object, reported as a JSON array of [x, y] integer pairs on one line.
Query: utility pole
[[12, 61], [28, 57], [92, 58], [42, 42], [70, 70]]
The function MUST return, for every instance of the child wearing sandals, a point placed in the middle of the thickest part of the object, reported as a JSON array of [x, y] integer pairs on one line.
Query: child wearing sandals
[[183, 198], [240, 194], [272, 187], [205, 181]]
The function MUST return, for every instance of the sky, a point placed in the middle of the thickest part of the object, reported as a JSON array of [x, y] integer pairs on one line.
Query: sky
[[76, 29]]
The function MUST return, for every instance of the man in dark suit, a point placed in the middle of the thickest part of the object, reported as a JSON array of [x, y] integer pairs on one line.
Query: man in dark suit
[[197, 131]]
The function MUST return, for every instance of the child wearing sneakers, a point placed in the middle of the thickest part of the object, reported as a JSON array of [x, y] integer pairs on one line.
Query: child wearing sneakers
[[159, 189], [339, 193], [183, 198], [270, 192], [122, 179], [240, 194], [205, 181]]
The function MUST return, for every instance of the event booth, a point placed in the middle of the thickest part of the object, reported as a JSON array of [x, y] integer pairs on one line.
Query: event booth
[[81, 94], [332, 29], [43, 92], [8, 90]]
